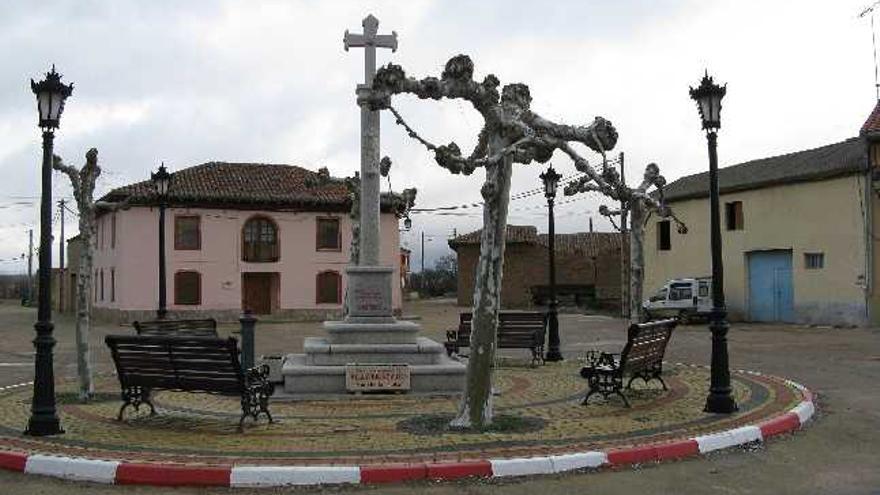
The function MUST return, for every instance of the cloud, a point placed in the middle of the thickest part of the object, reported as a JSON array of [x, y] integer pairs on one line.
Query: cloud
[[269, 81]]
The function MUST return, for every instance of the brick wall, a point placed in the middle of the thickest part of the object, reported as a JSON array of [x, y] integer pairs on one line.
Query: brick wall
[[526, 265]]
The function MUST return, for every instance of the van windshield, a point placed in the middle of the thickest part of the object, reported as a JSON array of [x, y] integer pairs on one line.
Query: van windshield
[[681, 291], [659, 296]]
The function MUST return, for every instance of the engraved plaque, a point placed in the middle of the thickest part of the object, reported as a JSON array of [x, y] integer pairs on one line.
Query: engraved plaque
[[373, 377], [369, 291]]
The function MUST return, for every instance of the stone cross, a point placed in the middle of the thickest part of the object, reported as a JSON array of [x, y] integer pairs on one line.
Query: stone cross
[[369, 197]]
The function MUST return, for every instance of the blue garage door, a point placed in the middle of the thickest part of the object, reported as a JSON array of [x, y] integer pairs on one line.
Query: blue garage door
[[771, 297]]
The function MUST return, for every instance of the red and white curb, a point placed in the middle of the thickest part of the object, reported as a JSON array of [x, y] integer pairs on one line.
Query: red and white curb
[[122, 472]]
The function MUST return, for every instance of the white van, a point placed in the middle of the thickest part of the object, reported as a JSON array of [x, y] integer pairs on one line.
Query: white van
[[684, 298]]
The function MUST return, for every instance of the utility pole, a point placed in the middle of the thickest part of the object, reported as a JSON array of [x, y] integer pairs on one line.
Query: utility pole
[[61, 203], [624, 246], [423, 252], [30, 280]]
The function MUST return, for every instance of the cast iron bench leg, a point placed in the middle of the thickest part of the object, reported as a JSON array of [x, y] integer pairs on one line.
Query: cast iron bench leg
[[135, 396]]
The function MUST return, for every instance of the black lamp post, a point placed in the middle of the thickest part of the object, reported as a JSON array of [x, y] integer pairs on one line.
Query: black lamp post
[[720, 400], [51, 94], [551, 180], [162, 180]]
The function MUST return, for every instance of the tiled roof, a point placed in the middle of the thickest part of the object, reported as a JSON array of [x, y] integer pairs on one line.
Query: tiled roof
[[515, 234], [241, 184], [825, 162], [589, 243], [872, 125]]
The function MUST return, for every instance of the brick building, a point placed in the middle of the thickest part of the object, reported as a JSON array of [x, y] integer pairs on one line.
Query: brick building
[[586, 262]]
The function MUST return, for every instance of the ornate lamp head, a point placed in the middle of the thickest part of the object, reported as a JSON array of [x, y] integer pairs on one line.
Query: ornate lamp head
[[162, 180], [708, 96], [51, 94], [551, 180]]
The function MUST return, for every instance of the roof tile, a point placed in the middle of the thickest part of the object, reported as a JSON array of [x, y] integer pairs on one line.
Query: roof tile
[[814, 164], [240, 183]]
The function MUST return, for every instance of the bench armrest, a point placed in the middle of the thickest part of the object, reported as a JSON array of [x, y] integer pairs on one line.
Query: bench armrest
[[258, 373], [595, 359]]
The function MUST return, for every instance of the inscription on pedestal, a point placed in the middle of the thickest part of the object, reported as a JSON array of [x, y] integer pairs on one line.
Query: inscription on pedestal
[[376, 377], [369, 291], [369, 299]]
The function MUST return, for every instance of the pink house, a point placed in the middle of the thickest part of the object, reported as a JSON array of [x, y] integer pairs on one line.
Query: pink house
[[271, 238]]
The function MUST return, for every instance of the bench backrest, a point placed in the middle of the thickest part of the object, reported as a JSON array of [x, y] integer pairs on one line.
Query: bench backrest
[[195, 328], [204, 364], [515, 328], [646, 344]]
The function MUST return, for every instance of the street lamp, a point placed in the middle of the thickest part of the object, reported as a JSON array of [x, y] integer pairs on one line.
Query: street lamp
[[551, 180], [162, 180], [51, 94], [720, 400]]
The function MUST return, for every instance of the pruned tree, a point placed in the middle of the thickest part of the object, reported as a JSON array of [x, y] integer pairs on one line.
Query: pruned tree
[[640, 203], [511, 133], [82, 181]]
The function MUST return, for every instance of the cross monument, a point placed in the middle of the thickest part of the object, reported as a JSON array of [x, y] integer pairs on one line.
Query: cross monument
[[369, 342], [370, 180]]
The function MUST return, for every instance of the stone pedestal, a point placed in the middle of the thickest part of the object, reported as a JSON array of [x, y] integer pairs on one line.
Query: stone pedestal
[[369, 335], [368, 297]]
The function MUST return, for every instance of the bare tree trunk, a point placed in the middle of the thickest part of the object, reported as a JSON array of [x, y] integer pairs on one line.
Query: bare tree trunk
[[636, 259], [82, 182], [475, 410], [83, 309]]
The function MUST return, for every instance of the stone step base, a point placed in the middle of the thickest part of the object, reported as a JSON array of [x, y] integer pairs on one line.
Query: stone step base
[[321, 352], [304, 381], [358, 332]]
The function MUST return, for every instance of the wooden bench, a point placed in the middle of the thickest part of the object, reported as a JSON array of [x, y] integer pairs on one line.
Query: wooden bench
[[192, 328], [189, 364], [566, 294], [516, 330], [642, 357]]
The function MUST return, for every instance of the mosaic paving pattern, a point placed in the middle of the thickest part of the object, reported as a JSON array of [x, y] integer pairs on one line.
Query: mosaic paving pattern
[[202, 427]]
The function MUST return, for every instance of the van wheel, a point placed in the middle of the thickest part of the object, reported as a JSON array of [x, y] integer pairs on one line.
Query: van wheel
[[684, 317]]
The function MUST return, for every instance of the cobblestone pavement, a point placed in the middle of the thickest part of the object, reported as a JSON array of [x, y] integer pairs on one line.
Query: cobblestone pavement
[[836, 454], [201, 428]]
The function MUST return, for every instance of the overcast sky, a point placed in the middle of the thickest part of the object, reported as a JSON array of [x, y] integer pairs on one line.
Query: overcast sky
[[262, 81]]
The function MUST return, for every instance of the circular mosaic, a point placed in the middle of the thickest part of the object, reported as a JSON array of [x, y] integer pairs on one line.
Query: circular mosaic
[[547, 399]]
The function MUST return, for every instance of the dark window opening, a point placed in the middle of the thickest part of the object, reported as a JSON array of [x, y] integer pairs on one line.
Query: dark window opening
[[733, 213], [187, 288], [814, 261], [113, 231], [329, 237], [187, 233], [664, 236], [329, 288], [260, 240], [112, 285]]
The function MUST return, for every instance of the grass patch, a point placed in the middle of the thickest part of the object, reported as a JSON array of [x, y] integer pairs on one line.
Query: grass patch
[[73, 398]]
